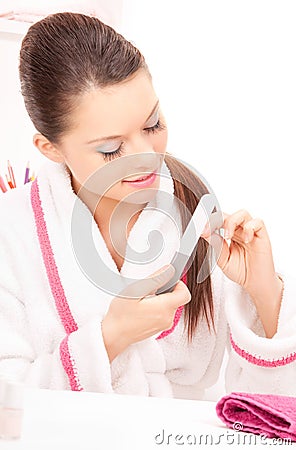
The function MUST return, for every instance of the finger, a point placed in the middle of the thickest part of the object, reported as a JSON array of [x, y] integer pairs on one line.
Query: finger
[[215, 222], [232, 222], [141, 288], [252, 228], [221, 249], [179, 296]]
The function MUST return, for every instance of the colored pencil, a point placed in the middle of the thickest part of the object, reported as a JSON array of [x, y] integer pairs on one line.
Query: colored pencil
[[2, 185], [33, 176], [9, 182], [11, 174], [27, 178]]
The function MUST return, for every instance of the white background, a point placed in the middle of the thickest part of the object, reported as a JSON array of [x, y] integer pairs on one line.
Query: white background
[[225, 74]]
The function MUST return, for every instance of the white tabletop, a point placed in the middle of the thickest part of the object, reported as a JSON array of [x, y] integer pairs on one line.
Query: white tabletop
[[91, 421]]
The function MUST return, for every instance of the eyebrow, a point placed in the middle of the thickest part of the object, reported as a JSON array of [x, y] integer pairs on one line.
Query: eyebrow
[[107, 138]]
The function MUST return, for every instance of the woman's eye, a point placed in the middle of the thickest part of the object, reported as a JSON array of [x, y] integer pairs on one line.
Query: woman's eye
[[111, 155], [159, 126]]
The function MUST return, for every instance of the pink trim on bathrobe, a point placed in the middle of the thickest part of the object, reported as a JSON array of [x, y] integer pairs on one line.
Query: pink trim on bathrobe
[[57, 289], [177, 317], [69, 365], [50, 264], [260, 361]]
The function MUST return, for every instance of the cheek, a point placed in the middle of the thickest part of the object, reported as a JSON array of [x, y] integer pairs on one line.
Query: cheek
[[160, 142], [84, 167]]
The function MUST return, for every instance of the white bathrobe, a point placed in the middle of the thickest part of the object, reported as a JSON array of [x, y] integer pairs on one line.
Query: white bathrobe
[[51, 312]]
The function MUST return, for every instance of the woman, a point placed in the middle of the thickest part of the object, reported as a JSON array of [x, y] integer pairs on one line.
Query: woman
[[89, 94]]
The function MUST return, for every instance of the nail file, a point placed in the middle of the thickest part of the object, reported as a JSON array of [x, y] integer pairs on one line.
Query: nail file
[[201, 216]]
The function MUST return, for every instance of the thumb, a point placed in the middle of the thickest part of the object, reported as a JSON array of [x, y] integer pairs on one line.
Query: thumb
[[220, 247], [149, 285]]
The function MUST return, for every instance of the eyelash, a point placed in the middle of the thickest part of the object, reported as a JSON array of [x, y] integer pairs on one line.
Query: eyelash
[[159, 126]]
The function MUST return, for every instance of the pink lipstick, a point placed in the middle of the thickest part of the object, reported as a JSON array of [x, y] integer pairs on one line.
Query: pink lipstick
[[143, 181]]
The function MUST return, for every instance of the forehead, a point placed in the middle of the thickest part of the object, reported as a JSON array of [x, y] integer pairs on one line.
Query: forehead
[[115, 109]]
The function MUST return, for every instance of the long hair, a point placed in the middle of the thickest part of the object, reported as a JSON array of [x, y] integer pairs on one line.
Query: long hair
[[189, 189], [62, 57]]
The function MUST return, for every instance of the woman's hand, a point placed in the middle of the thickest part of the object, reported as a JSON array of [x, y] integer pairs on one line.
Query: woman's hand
[[138, 313], [245, 256]]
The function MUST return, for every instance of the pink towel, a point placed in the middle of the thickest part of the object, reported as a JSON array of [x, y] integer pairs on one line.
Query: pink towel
[[271, 415]]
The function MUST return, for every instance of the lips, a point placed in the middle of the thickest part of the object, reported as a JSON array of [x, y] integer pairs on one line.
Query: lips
[[145, 177]]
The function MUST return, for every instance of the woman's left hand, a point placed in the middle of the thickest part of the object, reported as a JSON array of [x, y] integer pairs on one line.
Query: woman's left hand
[[245, 256], [248, 261], [248, 258]]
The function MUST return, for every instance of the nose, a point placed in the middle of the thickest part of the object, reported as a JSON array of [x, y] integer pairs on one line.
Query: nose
[[143, 157]]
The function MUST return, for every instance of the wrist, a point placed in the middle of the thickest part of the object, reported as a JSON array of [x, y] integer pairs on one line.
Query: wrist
[[268, 303], [268, 291], [113, 340]]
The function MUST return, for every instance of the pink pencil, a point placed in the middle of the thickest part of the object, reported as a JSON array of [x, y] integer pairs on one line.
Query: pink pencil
[[2, 185]]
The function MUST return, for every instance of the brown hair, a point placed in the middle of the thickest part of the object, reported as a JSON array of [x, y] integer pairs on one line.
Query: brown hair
[[62, 57]]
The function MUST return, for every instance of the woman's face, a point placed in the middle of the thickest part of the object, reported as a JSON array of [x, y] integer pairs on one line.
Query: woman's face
[[111, 124]]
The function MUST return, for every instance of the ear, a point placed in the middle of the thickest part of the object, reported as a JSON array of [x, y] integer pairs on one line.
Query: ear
[[47, 148]]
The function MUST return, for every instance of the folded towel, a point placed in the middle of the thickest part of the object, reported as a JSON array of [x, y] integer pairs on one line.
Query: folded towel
[[271, 415]]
